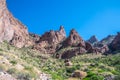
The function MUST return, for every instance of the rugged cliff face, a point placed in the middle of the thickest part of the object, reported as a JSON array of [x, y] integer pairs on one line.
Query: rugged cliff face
[[11, 29], [107, 40], [93, 39], [16, 33], [115, 45], [54, 37], [49, 41], [72, 46], [74, 39]]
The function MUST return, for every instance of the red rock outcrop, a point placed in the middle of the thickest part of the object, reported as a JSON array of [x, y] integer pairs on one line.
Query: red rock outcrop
[[48, 41], [34, 37], [54, 37], [71, 53], [108, 40], [115, 45], [11, 29], [76, 43], [89, 47], [93, 39], [74, 40]]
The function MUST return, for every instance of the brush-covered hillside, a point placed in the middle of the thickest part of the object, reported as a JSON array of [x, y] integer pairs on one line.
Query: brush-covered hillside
[[53, 55], [28, 64]]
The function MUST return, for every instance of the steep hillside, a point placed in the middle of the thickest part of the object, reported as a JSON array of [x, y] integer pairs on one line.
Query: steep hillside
[[53, 55], [28, 64], [19, 64], [93, 40], [108, 39], [11, 29]]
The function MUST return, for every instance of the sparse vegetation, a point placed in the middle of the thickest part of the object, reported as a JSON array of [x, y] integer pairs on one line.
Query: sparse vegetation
[[97, 67]]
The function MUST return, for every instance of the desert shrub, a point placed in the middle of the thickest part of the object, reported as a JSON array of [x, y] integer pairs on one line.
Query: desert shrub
[[86, 78], [96, 77], [56, 77], [78, 66], [29, 68], [12, 71], [2, 68], [90, 73], [114, 72], [1, 49], [13, 62], [24, 76], [100, 71], [117, 77], [118, 67], [70, 69]]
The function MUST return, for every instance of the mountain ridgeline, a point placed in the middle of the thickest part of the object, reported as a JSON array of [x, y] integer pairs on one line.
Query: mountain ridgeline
[[53, 55], [52, 42]]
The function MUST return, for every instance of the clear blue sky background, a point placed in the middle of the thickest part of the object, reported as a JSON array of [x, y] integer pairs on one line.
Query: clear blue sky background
[[88, 17]]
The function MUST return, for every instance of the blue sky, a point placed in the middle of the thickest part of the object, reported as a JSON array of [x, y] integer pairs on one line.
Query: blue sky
[[88, 17]]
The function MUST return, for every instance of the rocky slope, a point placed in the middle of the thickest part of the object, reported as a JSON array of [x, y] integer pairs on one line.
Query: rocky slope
[[49, 41], [100, 46], [11, 29], [93, 39], [74, 39], [107, 40], [115, 45], [65, 56], [14, 32], [72, 46]]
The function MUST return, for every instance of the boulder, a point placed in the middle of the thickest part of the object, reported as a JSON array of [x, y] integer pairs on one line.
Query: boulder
[[68, 63], [79, 74]]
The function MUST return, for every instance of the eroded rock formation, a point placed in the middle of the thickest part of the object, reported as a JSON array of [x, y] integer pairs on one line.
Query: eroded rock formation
[[11, 29], [93, 39], [74, 39], [49, 41], [115, 45]]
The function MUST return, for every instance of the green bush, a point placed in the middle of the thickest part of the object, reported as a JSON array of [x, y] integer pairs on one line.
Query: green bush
[[56, 77], [11, 71], [29, 68], [70, 69], [117, 77], [78, 66], [2, 68], [96, 77], [24, 76], [90, 74], [13, 62], [1, 49]]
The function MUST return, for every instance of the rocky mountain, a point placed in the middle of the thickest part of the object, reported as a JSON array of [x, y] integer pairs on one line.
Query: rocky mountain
[[28, 56], [107, 40], [115, 44], [49, 41], [11, 29], [73, 45], [74, 39], [95, 46], [17, 34], [93, 39]]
